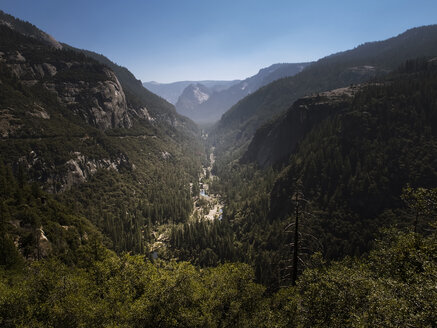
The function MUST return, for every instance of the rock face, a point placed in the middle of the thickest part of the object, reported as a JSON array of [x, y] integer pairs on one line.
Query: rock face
[[100, 102], [110, 108], [277, 140], [106, 102], [191, 98], [160, 112], [172, 91], [206, 109], [52, 101], [78, 169]]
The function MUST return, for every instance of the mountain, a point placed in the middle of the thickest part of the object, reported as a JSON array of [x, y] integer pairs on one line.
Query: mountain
[[136, 94], [99, 177], [212, 109], [172, 91], [192, 96], [86, 130], [358, 159], [277, 139], [28, 29], [354, 164], [238, 125]]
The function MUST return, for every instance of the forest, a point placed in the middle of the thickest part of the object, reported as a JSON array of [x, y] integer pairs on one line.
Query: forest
[[87, 285], [236, 271], [105, 226], [355, 172]]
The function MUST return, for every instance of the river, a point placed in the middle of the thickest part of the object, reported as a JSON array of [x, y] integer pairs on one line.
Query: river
[[207, 206]]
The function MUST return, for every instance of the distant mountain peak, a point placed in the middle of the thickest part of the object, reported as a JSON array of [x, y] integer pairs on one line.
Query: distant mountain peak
[[207, 109], [193, 95], [200, 93], [360, 64], [172, 91]]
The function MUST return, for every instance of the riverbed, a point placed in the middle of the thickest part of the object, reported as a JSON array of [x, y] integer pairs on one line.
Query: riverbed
[[207, 206]]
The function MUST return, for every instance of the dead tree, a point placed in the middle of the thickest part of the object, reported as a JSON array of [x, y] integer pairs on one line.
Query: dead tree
[[300, 229]]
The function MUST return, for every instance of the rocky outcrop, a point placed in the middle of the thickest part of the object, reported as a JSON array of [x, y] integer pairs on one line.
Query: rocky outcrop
[[25, 71], [78, 169], [109, 108], [205, 105], [9, 123], [44, 246], [142, 113], [192, 96], [277, 140], [101, 103]]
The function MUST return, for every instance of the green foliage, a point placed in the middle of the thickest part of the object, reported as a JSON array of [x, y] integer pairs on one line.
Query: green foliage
[[55, 270], [246, 233], [129, 291], [422, 201], [368, 61], [34, 225], [135, 179], [9, 255], [204, 243], [355, 164], [127, 205], [392, 288]]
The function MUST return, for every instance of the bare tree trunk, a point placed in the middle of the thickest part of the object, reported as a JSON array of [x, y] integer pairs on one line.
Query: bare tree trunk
[[296, 242]]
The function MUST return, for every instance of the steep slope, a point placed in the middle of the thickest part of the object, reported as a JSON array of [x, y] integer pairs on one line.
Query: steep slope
[[172, 91], [136, 96], [28, 29], [219, 102], [238, 125], [115, 157], [192, 96], [354, 164], [349, 166], [276, 140], [33, 225], [140, 98]]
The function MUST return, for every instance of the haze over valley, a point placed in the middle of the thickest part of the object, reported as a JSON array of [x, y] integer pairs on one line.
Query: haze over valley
[[287, 178]]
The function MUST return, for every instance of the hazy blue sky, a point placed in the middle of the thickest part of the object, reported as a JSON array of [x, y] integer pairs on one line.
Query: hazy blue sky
[[171, 40]]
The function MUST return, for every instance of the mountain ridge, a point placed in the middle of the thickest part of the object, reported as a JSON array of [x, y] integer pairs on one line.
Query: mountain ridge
[[28, 29], [276, 140], [238, 125], [212, 109], [85, 132], [120, 237], [171, 91]]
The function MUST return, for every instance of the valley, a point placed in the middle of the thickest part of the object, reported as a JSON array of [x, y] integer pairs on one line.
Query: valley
[[116, 210], [208, 206]]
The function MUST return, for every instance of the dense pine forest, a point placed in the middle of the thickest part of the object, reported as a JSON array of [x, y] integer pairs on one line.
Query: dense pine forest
[[83, 283], [116, 211]]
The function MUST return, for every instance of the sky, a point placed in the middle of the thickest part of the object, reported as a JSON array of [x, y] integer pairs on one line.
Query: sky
[[176, 40]]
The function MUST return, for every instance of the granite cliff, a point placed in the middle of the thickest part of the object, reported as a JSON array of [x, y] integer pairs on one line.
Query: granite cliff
[[276, 140]]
